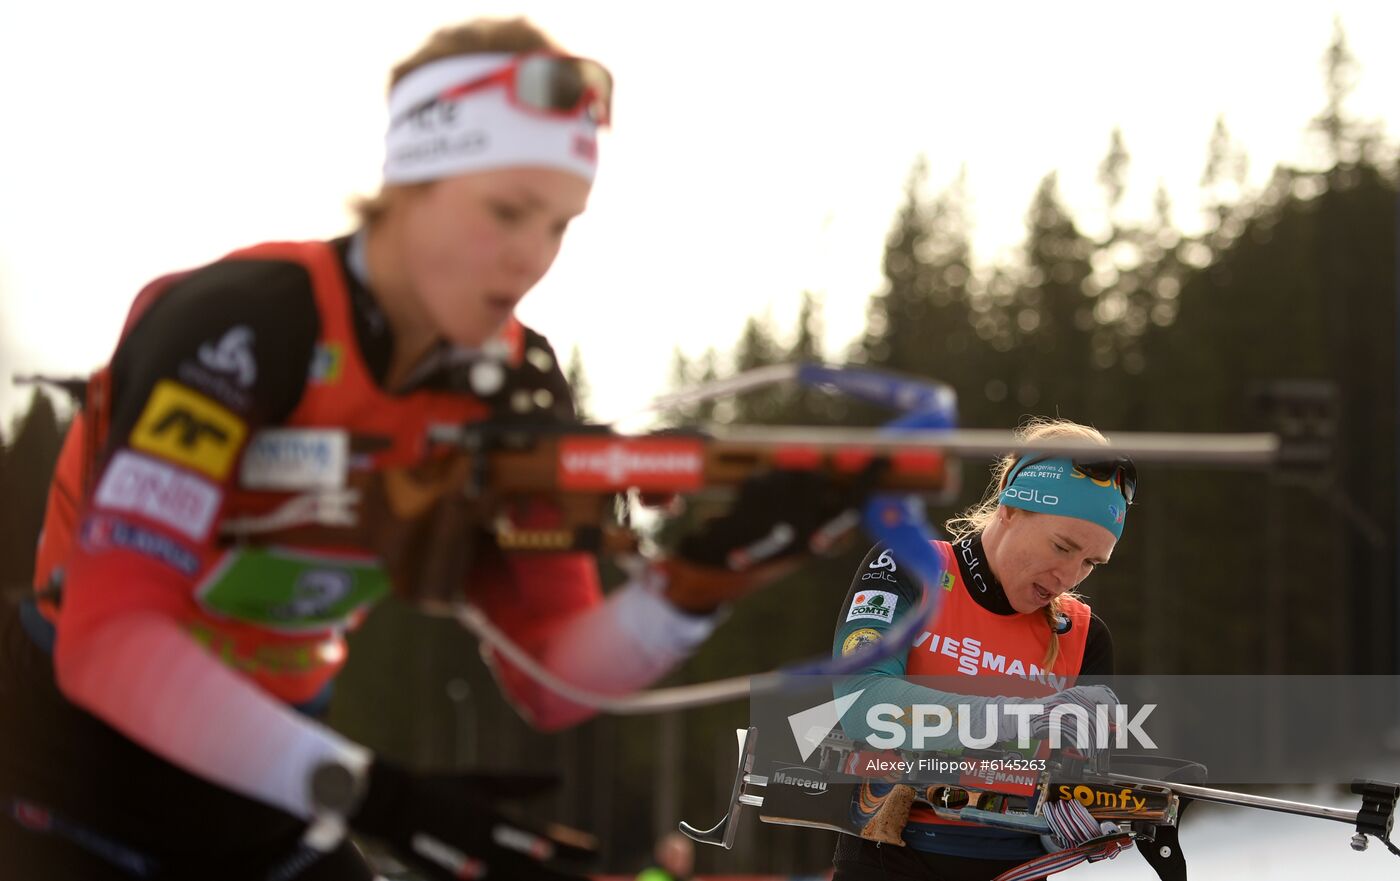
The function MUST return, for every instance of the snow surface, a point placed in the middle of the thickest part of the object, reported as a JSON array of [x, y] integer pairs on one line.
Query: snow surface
[[1224, 842]]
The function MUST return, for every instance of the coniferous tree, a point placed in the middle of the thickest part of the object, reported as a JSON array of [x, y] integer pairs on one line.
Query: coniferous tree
[[1164, 244], [680, 379], [1054, 318], [1114, 286], [688, 374], [807, 406], [1113, 175], [952, 351], [934, 317], [578, 382], [807, 346], [706, 371], [1344, 139], [1222, 187], [6, 517], [758, 347], [28, 468], [896, 313]]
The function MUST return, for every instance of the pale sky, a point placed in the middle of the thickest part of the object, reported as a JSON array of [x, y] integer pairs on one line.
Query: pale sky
[[758, 149]]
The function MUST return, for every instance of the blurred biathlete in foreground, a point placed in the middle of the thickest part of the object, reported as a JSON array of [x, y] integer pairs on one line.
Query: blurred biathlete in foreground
[[1009, 622], [157, 694]]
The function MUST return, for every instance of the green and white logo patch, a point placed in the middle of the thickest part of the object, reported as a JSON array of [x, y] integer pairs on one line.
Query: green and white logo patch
[[877, 604], [291, 590]]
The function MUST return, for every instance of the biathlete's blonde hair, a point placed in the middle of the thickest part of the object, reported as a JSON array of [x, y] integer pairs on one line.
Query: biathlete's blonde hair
[[974, 520]]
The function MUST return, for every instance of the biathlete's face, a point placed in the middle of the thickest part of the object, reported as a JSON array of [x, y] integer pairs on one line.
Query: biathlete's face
[[1038, 556], [476, 243]]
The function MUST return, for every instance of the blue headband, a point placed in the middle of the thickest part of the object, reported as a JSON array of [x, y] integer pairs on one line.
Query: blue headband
[[1055, 486]]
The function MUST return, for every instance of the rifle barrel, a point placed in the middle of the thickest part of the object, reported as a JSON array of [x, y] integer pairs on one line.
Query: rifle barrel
[[1153, 447]]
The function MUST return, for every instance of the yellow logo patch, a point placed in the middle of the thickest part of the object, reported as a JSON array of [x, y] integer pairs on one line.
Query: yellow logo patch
[[187, 428], [858, 638]]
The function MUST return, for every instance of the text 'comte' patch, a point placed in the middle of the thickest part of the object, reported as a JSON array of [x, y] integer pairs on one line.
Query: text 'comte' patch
[[159, 492], [877, 604], [185, 427]]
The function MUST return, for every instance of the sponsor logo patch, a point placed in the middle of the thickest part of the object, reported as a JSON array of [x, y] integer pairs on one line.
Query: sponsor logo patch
[[314, 593], [1031, 495], [158, 491], [185, 427], [1110, 801], [232, 355], [884, 562], [585, 148], [1045, 471], [326, 363], [290, 590], [292, 459], [101, 532], [811, 782], [862, 637], [1001, 779], [195, 375], [279, 658], [878, 576], [972, 659], [877, 604], [642, 463]]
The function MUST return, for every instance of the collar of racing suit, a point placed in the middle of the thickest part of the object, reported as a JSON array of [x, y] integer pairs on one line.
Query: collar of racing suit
[[976, 572]]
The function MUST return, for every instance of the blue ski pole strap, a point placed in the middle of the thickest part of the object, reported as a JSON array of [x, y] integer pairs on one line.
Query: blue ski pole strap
[[896, 521], [899, 523], [935, 402]]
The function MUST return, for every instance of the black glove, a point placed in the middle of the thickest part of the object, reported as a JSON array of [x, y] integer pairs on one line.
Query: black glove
[[780, 514], [447, 825]]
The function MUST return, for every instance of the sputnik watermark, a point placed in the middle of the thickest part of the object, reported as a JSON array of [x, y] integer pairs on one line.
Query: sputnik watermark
[[896, 727], [939, 765], [890, 726]]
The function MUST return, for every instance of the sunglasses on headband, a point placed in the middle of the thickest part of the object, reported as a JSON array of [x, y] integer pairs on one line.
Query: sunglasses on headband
[[1119, 471], [541, 83]]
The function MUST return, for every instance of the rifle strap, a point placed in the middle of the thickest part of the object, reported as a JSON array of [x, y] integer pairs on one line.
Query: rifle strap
[[1098, 849], [1080, 836]]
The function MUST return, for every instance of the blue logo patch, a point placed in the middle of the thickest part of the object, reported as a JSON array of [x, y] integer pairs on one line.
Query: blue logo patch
[[101, 532]]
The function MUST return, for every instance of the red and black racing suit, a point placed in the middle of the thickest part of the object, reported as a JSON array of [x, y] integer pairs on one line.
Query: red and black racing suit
[[146, 721]]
